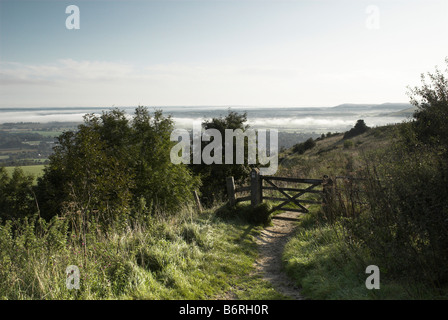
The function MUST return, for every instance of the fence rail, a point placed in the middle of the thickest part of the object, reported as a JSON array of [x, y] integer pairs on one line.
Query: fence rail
[[262, 188], [280, 189]]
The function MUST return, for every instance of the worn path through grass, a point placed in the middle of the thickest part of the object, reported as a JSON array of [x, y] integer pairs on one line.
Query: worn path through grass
[[271, 243], [268, 279]]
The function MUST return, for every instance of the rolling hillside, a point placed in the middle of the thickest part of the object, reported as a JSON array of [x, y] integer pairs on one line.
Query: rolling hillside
[[386, 220], [333, 155]]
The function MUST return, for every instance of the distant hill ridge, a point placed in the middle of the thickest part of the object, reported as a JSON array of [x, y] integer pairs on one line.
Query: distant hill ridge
[[382, 106]]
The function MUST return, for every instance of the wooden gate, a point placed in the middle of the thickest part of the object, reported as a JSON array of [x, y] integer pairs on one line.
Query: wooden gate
[[262, 188], [295, 198]]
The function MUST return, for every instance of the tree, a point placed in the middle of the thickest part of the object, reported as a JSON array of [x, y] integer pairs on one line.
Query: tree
[[214, 175], [431, 101], [163, 185], [110, 164], [406, 223], [359, 128], [16, 195], [86, 174], [309, 144], [300, 148]]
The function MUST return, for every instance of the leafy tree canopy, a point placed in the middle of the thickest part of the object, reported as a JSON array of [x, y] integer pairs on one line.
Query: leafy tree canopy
[[112, 163], [431, 100], [214, 175], [359, 128]]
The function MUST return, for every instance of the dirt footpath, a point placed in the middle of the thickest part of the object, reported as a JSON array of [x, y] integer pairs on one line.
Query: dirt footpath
[[272, 241]]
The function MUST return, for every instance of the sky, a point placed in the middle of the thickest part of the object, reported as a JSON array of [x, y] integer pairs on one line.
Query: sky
[[217, 52]]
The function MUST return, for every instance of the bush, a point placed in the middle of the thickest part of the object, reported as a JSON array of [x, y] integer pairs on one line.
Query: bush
[[259, 215], [213, 188], [359, 128], [398, 212], [348, 144], [16, 195], [112, 164], [411, 217], [300, 148], [431, 101]]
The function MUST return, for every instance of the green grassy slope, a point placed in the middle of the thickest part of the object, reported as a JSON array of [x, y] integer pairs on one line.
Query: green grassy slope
[[333, 156], [189, 256], [317, 258]]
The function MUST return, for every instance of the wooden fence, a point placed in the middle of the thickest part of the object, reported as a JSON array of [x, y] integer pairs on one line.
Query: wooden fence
[[262, 188]]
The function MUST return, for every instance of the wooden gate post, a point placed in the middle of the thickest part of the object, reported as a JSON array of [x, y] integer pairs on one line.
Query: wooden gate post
[[198, 202], [231, 190], [255, 187], [327, 186]]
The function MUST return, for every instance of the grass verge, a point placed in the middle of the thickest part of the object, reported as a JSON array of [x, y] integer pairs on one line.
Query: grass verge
[[326, 268], [187, 257]]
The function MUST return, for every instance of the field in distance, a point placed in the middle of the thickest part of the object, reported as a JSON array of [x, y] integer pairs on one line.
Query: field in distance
[[36, 170]]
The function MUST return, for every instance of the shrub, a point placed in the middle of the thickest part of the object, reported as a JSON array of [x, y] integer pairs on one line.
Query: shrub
[[213, 175], [348, 144], [359, 128], [415, 202], [398, 212], [300, 148], [112, 164], [16, 195], [258, 215], [431, 101]]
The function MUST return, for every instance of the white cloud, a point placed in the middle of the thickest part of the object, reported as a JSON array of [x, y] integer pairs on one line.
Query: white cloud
[[65, 70], [68, 82]]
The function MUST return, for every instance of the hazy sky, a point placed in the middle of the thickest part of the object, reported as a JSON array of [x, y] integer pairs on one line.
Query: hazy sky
[[217, 53]]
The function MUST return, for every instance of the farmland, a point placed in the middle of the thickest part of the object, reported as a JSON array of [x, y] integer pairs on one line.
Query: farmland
[[35, 170], [28, 143]]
